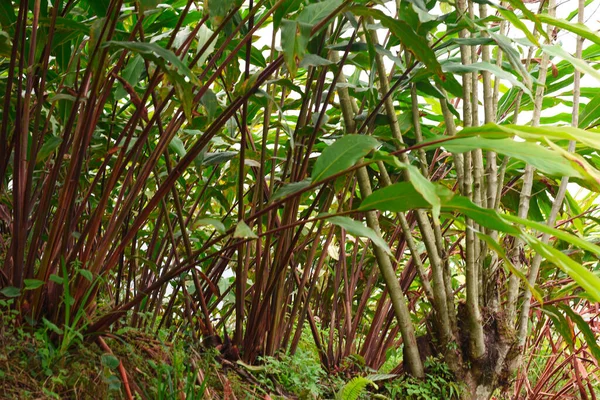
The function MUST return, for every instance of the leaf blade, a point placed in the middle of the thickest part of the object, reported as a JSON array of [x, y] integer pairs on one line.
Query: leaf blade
[[341, 155], [358, 229]]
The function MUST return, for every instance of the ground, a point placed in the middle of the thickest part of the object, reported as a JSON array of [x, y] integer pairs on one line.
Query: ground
[[47, 362]]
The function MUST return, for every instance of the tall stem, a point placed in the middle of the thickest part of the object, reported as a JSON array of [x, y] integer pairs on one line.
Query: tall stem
[[477, 340], [560, 195], [383, 260], [525, 196]]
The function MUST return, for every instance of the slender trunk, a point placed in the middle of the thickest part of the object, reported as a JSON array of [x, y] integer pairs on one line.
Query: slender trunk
[[383, 260]]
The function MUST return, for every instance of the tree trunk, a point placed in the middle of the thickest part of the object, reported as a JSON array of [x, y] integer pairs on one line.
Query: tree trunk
[[481, 392]]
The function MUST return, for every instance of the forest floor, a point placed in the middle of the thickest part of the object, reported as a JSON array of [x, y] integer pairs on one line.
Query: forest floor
[[47, 362], [35, 364], [32, 367]]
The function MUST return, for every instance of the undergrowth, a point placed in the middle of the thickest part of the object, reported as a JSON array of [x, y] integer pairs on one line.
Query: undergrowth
[[34, 364], [299, 374], [439, 383]]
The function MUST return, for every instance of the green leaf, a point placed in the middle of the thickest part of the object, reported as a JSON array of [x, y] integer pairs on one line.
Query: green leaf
[[543, 159], [10, 291], [584, 277], [184, 92], [290, 188], [294, 40], [219, 157], [286, 8], [177, 146], [175, 69], [213, 222], [53, 327], [143, 305], [148, 5], [7, 14], [243, 231], [575, 27], [590, 174], [87, 274], [286, 83], [56, 279], [353, 389], [381, 377], [473, 41], [66, 24], [63, 96], [246, 85], [457, 68], [316, 12], [100, 8], [562, 235], [218, 9], [49, 146], [253, 368], [341, 155], [535, 133], [358, 229], [578, 63], [131, 74], [210, 102], [97, 35], [514, 57], [591, 113], [511, 16], [203, 36], [416, 44], [519, 4], [166, 59], [313, 60], [434, 194], [584, 327], [31, 284], [399, 197], [5, 44], [483, 216], [560, 324], [110, 361]]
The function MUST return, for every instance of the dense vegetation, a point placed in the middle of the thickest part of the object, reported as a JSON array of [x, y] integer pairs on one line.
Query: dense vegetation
[[302, 198]]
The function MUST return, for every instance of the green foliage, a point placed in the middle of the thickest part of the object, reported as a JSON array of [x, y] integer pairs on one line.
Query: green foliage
[[177, 378], [179, 170], [358, 229], [403, 31], [31, 364], [300, 374], [354, 388], [401, 197], [439, 383], [591, 113], [295, 36], [341, 155]]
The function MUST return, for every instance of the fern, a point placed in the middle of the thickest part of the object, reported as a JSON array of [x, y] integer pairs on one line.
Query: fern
[[354, 388]]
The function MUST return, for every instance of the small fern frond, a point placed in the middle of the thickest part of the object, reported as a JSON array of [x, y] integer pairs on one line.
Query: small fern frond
[[354, 388]]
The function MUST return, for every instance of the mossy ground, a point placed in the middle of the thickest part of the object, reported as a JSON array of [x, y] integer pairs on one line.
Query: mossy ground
[[32, 366], [35, 363]]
